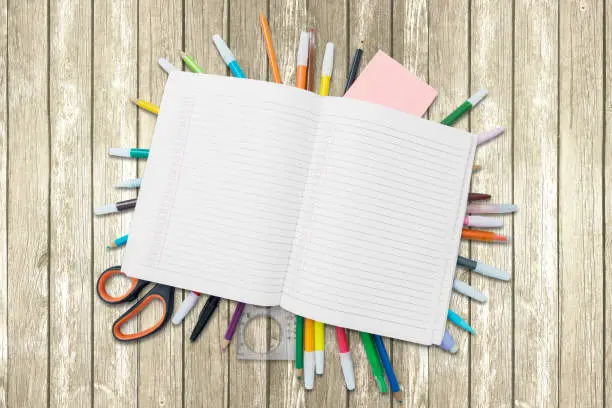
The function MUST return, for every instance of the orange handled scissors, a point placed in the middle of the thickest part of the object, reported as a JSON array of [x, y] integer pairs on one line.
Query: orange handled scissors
[[160, 292]]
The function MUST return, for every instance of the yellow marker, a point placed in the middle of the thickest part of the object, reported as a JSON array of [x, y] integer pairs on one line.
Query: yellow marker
[[319, 333], [309, 354], [146, 105], [326, 69]]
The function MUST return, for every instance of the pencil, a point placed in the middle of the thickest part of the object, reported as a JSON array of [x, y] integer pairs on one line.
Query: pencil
[[310, 83], [377, 369], [299, 346], [485, 236], [148, 106], [231, 329], [263, 21], [384, 357], [354, 67]]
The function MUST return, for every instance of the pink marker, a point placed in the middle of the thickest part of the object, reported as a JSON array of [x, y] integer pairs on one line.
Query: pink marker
[[345, 358], [482, 222]]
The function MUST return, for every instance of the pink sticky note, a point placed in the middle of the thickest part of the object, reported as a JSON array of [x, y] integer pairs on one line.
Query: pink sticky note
[[386, 82]]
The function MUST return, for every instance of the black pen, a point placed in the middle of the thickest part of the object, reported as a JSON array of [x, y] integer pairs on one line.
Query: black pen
[[207, 311], [354, 67]]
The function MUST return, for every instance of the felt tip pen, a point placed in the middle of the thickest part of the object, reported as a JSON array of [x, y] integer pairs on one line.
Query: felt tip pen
[[457, 320], [372, 354], [354, 67], [464, 107], [301, 76], [191, 64], [129, 183], [207, 311], [309, 354], [386, 362], [448, 343], [299, 346], [482, 222], [326, 69], [118, 242], [484, 137], [478, 196], [228, 57], [188, 303], [166, 65], [483, 269], [491, 208], [346, 362], [467, 290], [485, 236], [319, 339], [145, 105], [116, 207], [134, 153]]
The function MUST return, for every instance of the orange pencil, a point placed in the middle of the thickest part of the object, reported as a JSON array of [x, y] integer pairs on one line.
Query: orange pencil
[[486, 236], [270, 48], [301, 76]]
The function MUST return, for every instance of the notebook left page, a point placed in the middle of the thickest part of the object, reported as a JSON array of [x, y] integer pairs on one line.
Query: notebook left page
[[227, 146]]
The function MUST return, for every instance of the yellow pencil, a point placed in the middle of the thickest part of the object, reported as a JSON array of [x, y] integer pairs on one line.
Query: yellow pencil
[[146, 105]]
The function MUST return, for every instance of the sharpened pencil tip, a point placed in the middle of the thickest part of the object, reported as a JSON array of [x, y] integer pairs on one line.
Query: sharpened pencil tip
[[182, 53], [360, 45], [134, 101]]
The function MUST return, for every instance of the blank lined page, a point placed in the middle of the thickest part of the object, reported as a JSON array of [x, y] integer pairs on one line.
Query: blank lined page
[[379, 231], [223, 187]]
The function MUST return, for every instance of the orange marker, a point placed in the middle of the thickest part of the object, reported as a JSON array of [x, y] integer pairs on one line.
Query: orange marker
[[486, 236], [309, 354], [302, 61], [270, 48]]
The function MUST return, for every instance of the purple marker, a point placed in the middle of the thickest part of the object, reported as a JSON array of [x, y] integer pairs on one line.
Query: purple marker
[[448, 343]]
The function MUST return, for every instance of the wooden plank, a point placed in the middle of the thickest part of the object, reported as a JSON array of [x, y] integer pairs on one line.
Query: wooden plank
[[28, 205], [70, 203], [371, 23], [449, 27], [581, 220], [535, 277], [287, 18], [410, 47], [114, 125], [329, 18], [249, 382], [4, 370], [205, 366], [160, 358], [608, 205], [491, 67]]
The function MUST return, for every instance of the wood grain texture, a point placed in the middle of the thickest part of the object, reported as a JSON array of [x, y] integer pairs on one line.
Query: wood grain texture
[[287, 19], [449, 73], [410, 47], [581, 221], [206, 368], [249, 380], [4, 305], [535, 274], [371, 23], [607, 161], [115, 56], [71, 291], [491, 68], [28, 205]]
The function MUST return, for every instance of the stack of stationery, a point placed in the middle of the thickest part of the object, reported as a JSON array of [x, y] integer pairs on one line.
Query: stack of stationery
[[345, 211]]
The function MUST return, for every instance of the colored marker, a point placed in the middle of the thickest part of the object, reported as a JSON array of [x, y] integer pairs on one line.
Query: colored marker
[[448, 343], [384, 357], [489, 135], [145, 105], [482, 222], [188, 303], [458, 321], [309, 354], [116, 207], [301, 77], [491, 208], [118, 242], [191, 64], [354, 67], [483, 269], [166, 65], [228, 57], [464, 107], [478, 197], [207, 311], [319, 339], [346, 362], [485, 236], [231, 329], [129, 183], [134, 153], [299, 346], [326, 69], [377, 369], [469, 291]]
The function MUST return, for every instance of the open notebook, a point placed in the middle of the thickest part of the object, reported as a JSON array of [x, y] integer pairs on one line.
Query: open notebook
[[339, 210]]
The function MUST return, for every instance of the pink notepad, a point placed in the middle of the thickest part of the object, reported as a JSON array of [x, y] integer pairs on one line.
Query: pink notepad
[[386, 82]]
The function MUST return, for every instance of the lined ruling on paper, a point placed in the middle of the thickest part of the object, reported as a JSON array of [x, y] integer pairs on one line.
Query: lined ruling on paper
[[338, 210]]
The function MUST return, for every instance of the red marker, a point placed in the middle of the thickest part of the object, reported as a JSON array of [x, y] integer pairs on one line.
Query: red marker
[[345, 358]]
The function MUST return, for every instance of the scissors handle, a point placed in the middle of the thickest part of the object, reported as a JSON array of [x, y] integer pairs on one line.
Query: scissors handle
[[163, 293], [129, 296]]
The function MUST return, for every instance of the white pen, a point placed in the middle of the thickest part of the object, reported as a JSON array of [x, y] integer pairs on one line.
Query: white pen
[[166, 65], [482, 222]]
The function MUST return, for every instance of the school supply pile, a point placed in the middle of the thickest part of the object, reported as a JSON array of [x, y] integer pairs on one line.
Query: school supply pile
[[345, 211]]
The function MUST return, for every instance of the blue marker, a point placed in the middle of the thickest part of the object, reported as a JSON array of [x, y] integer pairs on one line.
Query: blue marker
[[384, 358], [448, 343], [119, 242], [457, 320], [228, 57]]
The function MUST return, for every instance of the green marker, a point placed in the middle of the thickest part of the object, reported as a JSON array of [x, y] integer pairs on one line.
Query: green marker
[[464, 107], [191, 64], [299, 346], [377, 369], [133, 153]]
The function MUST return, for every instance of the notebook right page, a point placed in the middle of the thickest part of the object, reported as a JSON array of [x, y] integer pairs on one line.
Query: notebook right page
[[380, 226]]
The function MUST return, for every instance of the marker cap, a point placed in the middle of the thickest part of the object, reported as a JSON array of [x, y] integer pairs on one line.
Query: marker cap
[[302, 55], [130, 183], [319, 362], [448, 343], [492, 272], [166, 65], [185, 307], [469, 291], [107, 209], [483, 222], [309, 369], [119, 152], [488, 135], [491, 208], [223, 49], [346, 362], [328, 60], [477, 97]]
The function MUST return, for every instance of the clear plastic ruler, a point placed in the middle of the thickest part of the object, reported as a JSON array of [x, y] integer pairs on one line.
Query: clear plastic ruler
[[279, 341]]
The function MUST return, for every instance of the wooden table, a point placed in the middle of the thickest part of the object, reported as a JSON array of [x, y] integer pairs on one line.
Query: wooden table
[[67, 69]]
